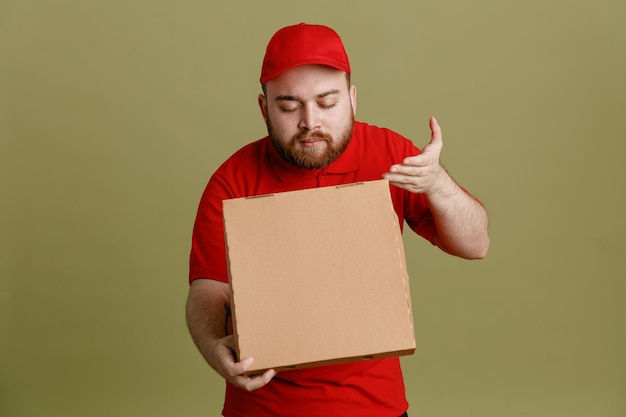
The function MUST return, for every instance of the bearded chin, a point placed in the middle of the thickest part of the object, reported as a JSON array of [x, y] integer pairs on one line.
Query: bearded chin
[[312, 158]]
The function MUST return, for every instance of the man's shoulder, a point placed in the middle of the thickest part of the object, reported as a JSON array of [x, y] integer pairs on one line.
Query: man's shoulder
[[247, 156], [371, 130], [250, 150], [369, 134]]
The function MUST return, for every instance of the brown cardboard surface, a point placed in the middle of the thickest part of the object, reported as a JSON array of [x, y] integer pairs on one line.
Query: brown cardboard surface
[[318, 276]]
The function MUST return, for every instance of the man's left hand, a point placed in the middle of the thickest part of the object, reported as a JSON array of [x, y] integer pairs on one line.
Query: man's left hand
[[421, 173]]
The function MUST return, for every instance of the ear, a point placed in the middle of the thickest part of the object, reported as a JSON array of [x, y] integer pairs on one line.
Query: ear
[[263, 106], [353, 99]]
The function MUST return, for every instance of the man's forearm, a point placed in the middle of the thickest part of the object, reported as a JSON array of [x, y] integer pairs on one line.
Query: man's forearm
[[461, 221], [208, 323], [206, 313]]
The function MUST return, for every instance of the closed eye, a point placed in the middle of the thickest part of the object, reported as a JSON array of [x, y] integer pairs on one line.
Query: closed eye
[[328, 99], [327, 104], [288, 104]]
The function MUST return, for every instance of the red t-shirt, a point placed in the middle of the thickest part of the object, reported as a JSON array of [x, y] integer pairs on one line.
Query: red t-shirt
[[368, 388]]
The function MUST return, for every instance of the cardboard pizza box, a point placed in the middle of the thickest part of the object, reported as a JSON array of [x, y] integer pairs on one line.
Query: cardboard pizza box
[[318, 277]]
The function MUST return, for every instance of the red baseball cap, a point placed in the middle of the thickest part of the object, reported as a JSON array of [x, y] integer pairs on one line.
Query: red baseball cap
[[303, 44]]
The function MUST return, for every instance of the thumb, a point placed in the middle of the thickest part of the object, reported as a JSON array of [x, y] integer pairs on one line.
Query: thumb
[[436, 141], [229, 342]]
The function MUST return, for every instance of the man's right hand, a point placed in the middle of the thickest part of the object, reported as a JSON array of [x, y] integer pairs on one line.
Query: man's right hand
[[221, 357], [206, 318]]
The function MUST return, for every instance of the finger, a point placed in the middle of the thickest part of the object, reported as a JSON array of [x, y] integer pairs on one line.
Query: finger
[[435, 130], [265, 378], [238, 368], [409, 171], [408, 185], [258, 381], [400, 179], [436, 138], [226, 358], [420, 160], [414, 165], [229, 342]]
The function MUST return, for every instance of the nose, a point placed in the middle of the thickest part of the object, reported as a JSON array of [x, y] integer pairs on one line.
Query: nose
[[309, 118]]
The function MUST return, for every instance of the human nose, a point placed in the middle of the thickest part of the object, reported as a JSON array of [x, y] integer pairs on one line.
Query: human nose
[[309, 118]]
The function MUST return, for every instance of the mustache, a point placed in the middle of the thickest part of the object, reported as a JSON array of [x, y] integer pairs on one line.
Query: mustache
[[313, 135]]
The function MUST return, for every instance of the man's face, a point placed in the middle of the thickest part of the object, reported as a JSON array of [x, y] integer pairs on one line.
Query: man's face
[[309, 112]]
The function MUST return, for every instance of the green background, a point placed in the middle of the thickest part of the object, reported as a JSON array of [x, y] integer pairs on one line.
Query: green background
[[113, 115]]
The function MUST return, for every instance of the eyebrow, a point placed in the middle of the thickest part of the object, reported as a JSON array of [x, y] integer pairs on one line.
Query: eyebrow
[[294, 98]]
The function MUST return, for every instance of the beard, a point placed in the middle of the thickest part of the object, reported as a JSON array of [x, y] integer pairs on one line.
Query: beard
[[319, 156]]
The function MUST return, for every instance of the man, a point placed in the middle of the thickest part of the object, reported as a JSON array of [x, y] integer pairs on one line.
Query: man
[[309, 106]]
